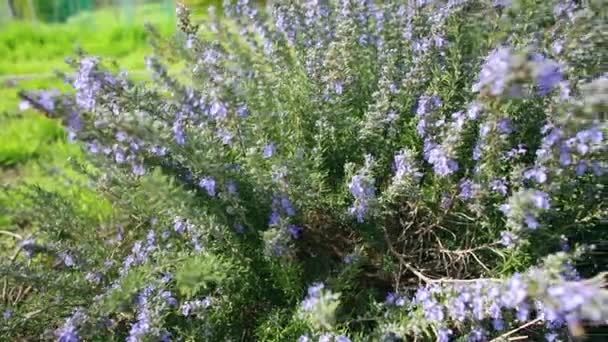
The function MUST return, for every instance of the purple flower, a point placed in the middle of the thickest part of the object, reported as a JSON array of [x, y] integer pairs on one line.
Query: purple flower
[[505, 126], [350, 258], [593, 135], [516, 291], [309, 303], [218, 110], [499, 186], [138, 170], [166, 337], [474, 111], [565, 157], [393, 89], [446, 200], [93, 147], [121, 136], [531, 221], [427, 104], [518, 151], [394, 299], [551, 337], [269, 150], [457, 308], [468, 189], [541, 200], [179, 225], [231, 187], [498, 324], [208, 183], [295, 231], [508, 239], [571, 296], [439, 40], [24, 105], [433, 311], [87, 83], [495, 311], [191, 307], [158, 151], [564, 8], [558, 47], [180, 136], [68, 260], [30, 247], [598, 169], [339, 87], [581, 168], [421, 46], [225, 136], [537, 173], [404, 166], [119, 156], [68, 334], [522, 312], [325, 338], [275, 218], [495, 72], [187, 309], [342, 338], [94, 277], [7, 315], [363, 192], [477, 152], [285, 204], [502, 3], [315, 289], [422, 295], [443, 334], [443, 165], [479, 308], [477, 335], [243, 111], [548, 77]]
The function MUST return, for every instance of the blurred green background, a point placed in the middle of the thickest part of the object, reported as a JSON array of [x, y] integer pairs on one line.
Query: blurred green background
[[36, 36]]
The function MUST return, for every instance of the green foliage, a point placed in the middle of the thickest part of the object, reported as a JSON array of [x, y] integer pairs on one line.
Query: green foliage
[[25, 138], [200, 274], [30, 47], [59, 10], [280, 178]]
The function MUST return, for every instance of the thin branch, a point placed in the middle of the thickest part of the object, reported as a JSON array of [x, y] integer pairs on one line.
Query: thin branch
[[424, 277], [36, 104], [480, 262], [511, 332], [17, 236]]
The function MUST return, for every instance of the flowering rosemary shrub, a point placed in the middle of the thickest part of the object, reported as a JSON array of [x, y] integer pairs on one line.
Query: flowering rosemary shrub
[[344, 170]]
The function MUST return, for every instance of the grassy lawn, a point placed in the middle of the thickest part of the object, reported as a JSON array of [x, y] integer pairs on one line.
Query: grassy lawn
[[31, 52], [34, 149], [31, 48]]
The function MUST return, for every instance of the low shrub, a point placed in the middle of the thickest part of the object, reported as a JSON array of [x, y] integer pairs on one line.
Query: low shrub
[[331, 171]]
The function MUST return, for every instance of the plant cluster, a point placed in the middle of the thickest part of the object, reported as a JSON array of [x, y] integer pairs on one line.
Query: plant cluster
[[344, 170]]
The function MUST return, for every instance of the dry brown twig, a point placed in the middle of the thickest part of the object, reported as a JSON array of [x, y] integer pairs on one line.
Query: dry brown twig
[[511, 332]]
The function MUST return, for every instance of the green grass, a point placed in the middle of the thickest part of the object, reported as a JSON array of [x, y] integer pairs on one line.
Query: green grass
[[28, 48], [25, 136], [33, 148]]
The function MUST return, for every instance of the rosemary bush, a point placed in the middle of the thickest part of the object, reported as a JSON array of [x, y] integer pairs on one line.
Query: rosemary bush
[[330, 171]]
